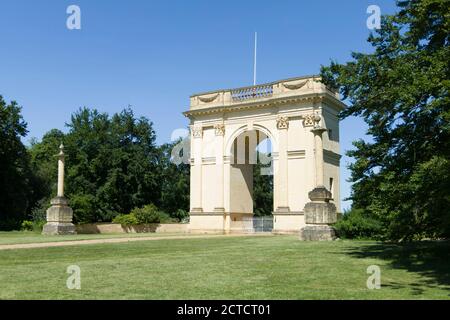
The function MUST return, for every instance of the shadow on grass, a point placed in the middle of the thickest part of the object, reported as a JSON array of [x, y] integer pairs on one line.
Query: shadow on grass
[[430, 259]]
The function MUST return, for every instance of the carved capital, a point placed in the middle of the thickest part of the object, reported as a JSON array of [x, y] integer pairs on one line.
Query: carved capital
[[197, 132], [308, 120], [219, 129], [282, 122]]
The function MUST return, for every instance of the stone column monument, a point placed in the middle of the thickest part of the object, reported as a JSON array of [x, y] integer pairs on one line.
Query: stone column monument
[[59, 215], [319, 212]]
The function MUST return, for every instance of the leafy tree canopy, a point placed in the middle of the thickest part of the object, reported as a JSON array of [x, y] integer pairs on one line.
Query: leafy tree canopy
[[401, 90], [16, 178], [112, 166]]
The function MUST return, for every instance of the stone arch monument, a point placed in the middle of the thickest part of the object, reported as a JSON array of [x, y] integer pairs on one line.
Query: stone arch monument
[[299, 117]]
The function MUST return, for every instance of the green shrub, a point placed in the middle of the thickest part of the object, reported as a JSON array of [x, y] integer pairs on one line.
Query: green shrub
[[26, 225], [166, 218], [356, 224], [147, 214], [125, 219], [84, 208], [38, 225], [39, 212], [181, 215]]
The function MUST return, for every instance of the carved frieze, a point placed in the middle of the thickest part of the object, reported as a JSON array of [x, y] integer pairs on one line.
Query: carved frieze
[[294, 86], [208, 99]]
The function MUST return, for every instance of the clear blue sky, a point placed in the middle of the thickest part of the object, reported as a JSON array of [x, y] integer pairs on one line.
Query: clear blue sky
[[153, 55]]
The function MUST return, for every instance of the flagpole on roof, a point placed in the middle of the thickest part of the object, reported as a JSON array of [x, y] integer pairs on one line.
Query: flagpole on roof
[[254, 59]]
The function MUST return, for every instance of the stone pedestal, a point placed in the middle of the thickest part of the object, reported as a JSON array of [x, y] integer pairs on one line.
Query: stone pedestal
[[317, 233], [59, 218], [319, 214]]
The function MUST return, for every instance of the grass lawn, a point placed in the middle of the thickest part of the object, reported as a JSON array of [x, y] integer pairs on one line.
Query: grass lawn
[[18, 237], [278, 267]]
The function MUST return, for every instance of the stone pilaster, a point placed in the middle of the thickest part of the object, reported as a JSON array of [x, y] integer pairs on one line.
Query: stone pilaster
[[282, 125], [196, 172], [227, 194], [219, 133]]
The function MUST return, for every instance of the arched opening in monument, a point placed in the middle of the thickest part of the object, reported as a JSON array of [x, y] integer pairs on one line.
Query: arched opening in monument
[[251, 182]]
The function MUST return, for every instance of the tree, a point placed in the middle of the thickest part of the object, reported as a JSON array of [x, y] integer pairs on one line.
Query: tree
[[111, 163], [174, 181], [16, 194], [44, 166], [44, 162], [262, 189], [401, 90]]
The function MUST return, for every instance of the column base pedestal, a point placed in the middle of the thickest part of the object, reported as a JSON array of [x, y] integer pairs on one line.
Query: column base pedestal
[[58, 228], [59, 218], [320, 213], [318, 233]]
